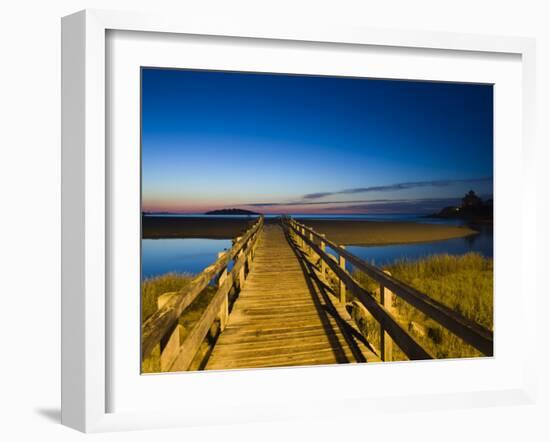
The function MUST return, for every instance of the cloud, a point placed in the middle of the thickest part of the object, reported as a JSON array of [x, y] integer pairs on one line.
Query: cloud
[[427, 205], [394, 187], [413, 205], [318, 195], [316, 203]]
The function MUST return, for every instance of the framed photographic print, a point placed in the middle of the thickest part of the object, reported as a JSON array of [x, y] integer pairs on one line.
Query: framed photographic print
[[250, 213]]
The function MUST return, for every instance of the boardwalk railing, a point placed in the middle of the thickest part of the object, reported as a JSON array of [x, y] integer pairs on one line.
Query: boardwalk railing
[[467, 330], [162, 329]]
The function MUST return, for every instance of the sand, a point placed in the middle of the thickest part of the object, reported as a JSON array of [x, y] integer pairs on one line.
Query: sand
[[380, 233], [156, 227], [341, 232]]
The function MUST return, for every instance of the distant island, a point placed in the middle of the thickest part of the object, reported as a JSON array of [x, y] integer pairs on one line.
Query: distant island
[[231, 212]]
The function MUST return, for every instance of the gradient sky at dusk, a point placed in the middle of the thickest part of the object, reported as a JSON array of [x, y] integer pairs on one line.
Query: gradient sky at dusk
[[302, 144]]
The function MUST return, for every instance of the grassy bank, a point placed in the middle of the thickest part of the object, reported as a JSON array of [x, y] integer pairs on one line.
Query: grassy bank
[[152, 288], [463, 283]]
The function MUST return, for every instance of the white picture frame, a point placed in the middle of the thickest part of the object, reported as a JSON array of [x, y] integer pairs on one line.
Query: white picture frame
[[85, 210]]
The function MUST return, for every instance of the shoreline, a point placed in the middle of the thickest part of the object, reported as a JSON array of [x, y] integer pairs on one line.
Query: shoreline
[[466, 219], [346, 232]]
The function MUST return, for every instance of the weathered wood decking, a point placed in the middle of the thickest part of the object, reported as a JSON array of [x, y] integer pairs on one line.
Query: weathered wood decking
[[285, 316]]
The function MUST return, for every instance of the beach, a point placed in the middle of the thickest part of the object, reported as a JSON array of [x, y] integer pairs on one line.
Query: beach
[[345, 232], [370, 233]]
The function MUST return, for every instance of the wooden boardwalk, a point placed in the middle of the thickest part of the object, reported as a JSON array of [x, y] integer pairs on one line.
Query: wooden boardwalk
[[285, 315]]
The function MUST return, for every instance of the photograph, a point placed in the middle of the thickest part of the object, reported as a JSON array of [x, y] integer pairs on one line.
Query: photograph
[[302, 220]]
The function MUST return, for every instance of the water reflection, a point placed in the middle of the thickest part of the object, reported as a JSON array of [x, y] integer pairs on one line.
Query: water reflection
[[190, 255], [383, 255]]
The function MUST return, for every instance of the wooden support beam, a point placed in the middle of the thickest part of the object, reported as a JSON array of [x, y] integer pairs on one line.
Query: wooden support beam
[[342, 264], [241, 272], [386, 343], [171, 349], [249, 255], [323, 264], [224, 310]]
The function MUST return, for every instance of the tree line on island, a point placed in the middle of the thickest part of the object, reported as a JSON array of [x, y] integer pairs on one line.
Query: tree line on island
[[472, 206], [231, 212]]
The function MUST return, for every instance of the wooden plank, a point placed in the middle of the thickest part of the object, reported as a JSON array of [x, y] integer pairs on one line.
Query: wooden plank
[[325, 356], [268, 338], [281, 312], [279, 350], [282, 329], [270, 302]]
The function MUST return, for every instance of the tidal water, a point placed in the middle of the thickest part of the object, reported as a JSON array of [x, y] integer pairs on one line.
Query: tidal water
[[481, 243], [190, 255], [193, 255]]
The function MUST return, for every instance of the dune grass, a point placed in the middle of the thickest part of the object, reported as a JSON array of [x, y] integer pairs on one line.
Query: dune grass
[[151, 289], [463, 283]]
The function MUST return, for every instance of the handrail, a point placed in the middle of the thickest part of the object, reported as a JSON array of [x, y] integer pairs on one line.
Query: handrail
[[218, 307], [467, 330], [158, 325]]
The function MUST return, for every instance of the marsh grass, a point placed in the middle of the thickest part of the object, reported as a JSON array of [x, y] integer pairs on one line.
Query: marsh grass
[[151, 289], [463, 283]]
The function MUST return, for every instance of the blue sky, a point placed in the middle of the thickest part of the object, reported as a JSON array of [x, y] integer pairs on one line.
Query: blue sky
[[303, 144]]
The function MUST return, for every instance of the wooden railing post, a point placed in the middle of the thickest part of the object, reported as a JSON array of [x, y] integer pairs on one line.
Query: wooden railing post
[[386, 343], [255, 239], [342, 264], [224, 310], [323, 263], [241, 272], [171, 349], [249, 254]]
